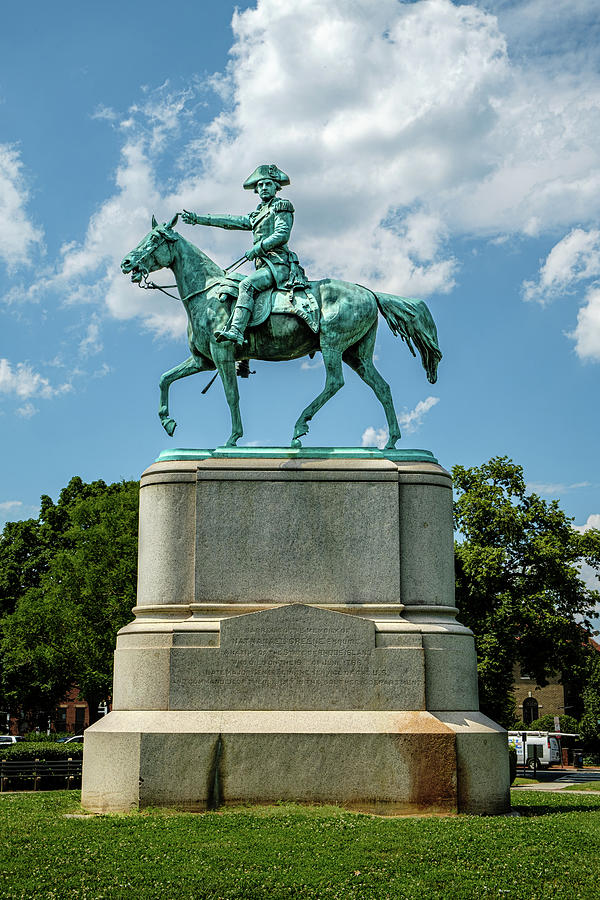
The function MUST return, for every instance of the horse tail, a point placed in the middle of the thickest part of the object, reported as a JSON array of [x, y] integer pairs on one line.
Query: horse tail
[[414, 323]]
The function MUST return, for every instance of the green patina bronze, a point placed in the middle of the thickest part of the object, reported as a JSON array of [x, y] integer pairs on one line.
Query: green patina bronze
[[275, 313], [298, 453]]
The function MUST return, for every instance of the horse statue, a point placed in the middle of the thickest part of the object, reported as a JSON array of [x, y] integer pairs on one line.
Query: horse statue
[[346, 329]]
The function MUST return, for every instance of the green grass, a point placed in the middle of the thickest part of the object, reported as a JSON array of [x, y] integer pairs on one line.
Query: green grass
[[584, 786], [520, 780], [550, 850]]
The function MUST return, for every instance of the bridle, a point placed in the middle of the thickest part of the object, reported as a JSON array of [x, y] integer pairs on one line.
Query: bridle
[[145, 272], [147, 285]]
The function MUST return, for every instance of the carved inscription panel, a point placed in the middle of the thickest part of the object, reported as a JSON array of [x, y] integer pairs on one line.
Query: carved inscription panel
[[297, 657]]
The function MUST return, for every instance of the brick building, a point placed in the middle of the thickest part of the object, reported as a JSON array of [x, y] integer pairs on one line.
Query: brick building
[[533, 701], [557, 698], [72, 715]]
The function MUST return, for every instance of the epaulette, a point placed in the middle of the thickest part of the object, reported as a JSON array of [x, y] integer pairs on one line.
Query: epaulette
[[282, 205]]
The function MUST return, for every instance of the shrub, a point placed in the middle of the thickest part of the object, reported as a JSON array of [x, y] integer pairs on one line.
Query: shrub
[[37, 737], [546, 723], [42, 750]]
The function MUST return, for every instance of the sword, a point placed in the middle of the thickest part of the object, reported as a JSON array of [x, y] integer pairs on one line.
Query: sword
[[236, 264]]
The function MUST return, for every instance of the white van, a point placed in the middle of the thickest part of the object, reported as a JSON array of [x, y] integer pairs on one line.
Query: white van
[[541, 744]]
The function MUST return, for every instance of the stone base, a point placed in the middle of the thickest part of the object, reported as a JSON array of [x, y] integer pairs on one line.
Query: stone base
[[295, 640], [387, 763]]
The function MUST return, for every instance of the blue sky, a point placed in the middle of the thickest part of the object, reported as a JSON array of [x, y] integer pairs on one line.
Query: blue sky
[[443, 151]]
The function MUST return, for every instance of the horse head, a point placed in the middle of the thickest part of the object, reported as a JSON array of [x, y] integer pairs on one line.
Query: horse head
[[153, 252]]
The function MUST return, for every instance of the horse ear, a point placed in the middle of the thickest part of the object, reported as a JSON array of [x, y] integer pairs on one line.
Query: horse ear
[[154, 222], [173, 221]]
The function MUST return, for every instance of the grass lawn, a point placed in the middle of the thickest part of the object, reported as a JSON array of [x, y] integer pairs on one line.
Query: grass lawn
[[584, 786], [551, 850]]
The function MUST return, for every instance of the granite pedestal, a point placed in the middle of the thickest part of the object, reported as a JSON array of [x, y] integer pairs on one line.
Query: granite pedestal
[[295, 639]]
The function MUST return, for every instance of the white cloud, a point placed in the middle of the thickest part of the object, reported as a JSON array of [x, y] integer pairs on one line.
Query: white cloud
[[18, 236], [14, 510], [409, 422], [587, 331], [308, 364], [554, 488], [25, 382], [103, 371], [427, 93], [401, 124], [112, 231], [593, 521], [106, 113], [374, 437], [573, 259], [27, 410], [91, 343], [538, 28]]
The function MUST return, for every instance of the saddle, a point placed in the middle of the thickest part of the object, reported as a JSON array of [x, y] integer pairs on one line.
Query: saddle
[[296, 300]]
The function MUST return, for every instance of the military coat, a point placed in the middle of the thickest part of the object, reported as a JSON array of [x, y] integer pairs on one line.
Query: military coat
[[271, 225]]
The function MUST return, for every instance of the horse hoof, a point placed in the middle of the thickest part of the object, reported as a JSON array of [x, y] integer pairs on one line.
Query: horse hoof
[[296, 443], [300, 431], [169, 425], [391, 444]]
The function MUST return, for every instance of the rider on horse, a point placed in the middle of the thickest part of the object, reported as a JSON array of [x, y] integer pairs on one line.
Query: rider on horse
[[271, 224]]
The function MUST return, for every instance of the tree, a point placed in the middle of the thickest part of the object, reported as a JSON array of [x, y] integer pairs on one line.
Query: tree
[[26, 547], [589, 727], [518, 580], [23, 559], [62, 628], [568, 725]]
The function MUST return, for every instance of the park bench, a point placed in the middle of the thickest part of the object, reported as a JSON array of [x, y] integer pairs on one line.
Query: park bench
[[67, 770]]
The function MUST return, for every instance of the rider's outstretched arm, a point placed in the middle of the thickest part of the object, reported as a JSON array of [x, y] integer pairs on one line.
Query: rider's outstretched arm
[[239, 223]]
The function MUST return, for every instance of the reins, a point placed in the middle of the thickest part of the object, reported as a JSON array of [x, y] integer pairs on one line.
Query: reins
[[152, 286]]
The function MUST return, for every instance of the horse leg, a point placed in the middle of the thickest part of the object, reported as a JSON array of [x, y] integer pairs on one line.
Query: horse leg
[[360, 358], [189, 367], [224, 357], [334, 380]]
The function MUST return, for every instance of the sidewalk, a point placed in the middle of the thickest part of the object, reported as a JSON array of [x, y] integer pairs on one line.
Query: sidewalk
[[549, 786], [557, 788], [558, 779]]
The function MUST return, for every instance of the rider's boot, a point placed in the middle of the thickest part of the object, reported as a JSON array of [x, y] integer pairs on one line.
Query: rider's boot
[[235, 332], [241, 315]]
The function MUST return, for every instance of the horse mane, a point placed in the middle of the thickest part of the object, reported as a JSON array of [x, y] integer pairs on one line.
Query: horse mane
[[211, 269]]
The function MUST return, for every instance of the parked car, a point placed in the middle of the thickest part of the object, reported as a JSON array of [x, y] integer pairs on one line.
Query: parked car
[[69, 740], [10, 739]]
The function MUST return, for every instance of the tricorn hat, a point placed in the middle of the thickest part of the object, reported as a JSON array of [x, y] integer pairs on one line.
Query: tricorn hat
[[267, 171]]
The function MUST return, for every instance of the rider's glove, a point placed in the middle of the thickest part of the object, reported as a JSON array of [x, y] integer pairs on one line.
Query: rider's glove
[[255, 251], [191, 218]]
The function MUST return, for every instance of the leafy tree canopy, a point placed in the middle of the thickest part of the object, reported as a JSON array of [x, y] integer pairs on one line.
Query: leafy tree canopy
[[76, 590], [518, 580], [589, 727]]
